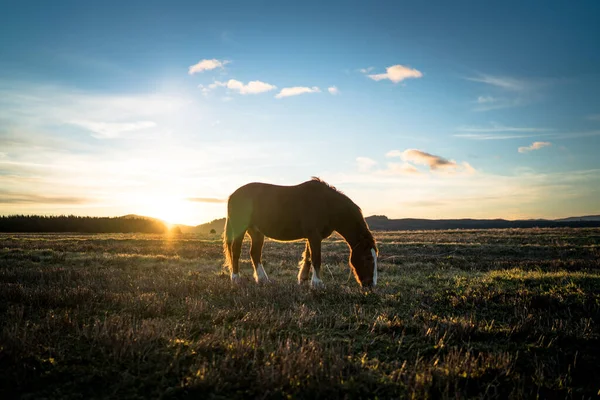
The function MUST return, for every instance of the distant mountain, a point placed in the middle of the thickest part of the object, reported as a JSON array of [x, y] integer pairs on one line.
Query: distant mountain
[[383, 223], [218, 225], [584, 218]]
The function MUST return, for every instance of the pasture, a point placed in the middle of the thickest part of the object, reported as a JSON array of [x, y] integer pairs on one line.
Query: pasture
[[457, 314]]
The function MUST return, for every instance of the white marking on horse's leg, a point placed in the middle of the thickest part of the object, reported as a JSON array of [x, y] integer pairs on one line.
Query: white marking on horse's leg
[[260, 275], [316, 282], [374, 253], [235, 278]]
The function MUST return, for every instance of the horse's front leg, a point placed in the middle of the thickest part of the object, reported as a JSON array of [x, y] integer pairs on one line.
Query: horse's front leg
[[315, 257], [258, 239], [304, 266]]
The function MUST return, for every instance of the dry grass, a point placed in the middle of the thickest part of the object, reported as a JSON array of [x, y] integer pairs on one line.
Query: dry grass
[[458, 314]]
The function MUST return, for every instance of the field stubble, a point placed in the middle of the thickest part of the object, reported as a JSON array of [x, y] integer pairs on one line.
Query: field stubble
[[480, 314]]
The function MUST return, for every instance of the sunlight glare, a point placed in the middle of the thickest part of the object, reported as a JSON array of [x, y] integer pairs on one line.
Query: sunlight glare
[[170, 210]]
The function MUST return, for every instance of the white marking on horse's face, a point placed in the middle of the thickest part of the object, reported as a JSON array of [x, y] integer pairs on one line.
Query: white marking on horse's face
[[260, 275], [374, 253]]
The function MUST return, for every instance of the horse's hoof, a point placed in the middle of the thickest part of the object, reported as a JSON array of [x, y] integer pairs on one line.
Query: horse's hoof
[[260, 276], [236, 279], [302, 282], [260, 280], [317, 284]]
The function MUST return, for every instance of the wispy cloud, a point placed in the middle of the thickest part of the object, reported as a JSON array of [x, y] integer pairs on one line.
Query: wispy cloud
[[207, 65], [507, 91], [111, 130], [491, 136], [7, 197], [296, 90], [366, 70], [486, 100], [252, 87], [400, 169], [365, 164], [206, 200], [397, 73], [499, 132], [333, 90], [500, 128], [502, 82], [594, 117], [534, 146], [498, 103]]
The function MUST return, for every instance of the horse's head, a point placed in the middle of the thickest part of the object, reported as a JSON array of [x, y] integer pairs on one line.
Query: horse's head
[[363, 260]]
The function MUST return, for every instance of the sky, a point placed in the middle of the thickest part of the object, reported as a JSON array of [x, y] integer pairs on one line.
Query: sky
[[413, 109]]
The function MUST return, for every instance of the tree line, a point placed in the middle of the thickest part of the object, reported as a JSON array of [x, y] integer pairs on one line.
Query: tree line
[[72, 223]]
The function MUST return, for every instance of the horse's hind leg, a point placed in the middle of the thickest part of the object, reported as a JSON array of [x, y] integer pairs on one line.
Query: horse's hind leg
[[258, 239], [236, 251], [304, 266]]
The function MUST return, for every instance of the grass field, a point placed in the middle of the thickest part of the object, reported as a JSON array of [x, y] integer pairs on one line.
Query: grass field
[[457, 314]]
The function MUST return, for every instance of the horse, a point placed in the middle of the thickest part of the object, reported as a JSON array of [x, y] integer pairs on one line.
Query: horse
[[310, 211]]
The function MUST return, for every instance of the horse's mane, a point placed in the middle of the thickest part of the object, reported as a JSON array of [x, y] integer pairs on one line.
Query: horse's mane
[[369, 237], [333, 188], [319, 180]]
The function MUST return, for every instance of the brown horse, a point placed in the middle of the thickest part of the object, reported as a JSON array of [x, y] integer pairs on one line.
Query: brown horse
[[311, 210]]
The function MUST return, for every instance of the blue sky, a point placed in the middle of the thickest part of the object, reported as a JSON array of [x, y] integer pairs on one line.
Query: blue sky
[[436, 110]]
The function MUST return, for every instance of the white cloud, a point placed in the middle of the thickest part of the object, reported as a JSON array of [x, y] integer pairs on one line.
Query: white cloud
[[252, 87], [397, 73], [296, 90], [207, 65], [422, 158], [333, 90], [365, 164], [534, 146], [437, 164], [366, 70], [111, 130]]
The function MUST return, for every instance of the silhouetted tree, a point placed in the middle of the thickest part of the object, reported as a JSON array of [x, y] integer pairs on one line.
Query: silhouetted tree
[[72, 223]]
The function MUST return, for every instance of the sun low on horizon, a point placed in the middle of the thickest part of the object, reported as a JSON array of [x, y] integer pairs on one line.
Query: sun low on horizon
[[177, 211], [413, 111]]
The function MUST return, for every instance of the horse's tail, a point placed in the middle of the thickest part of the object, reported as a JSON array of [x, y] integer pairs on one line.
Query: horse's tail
[[227, 243]]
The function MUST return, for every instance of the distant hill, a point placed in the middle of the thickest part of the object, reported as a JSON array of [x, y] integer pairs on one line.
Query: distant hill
[[584, 218], [218, 225], [383, 223]]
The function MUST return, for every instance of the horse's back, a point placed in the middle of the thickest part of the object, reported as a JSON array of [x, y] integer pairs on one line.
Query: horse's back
[[280, 212]]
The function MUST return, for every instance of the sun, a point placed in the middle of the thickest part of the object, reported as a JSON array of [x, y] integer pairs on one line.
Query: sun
[[170, 210]]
